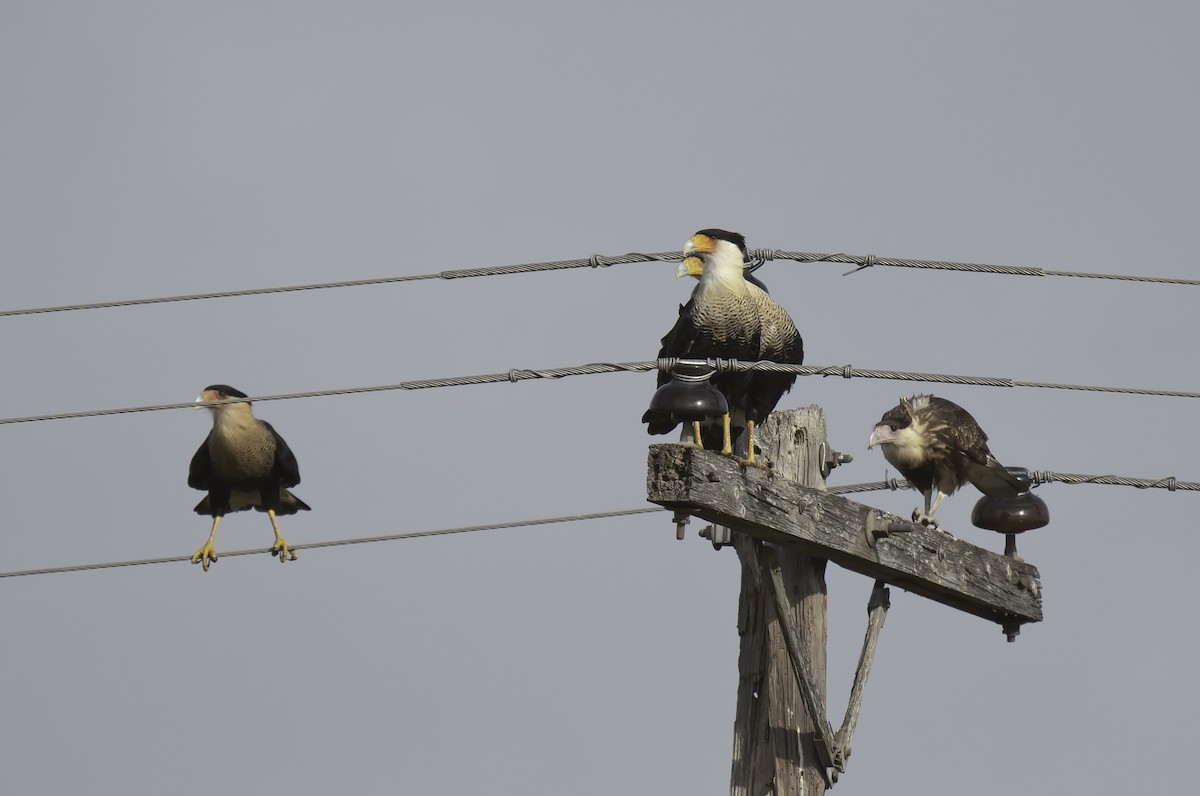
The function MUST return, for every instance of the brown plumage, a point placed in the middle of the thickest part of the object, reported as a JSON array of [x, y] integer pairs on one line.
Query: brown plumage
[[938, 446]]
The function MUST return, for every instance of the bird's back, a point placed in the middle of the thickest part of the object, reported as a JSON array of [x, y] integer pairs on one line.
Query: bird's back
[[714, 324], [959, 452], [779, 341]]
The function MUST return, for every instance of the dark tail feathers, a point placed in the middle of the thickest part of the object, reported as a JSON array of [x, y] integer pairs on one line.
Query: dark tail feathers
[[994, 481]]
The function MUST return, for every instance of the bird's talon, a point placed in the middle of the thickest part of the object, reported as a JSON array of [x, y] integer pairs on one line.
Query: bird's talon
[[204, 556], [766, 468], [284, 552], [921, 518]]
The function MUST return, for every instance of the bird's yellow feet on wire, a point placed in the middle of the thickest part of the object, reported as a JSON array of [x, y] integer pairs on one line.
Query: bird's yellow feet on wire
[[205, 555], [281, 547]]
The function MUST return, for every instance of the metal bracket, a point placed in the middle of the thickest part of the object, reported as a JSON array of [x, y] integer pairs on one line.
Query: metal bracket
[[681, 519]]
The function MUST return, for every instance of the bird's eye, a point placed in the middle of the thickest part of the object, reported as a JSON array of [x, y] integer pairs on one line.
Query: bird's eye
[[893, 428]]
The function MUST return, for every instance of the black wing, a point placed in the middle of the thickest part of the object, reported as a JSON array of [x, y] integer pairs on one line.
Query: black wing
[[680, 341], [675, 343], [286, 466], [201, 467]]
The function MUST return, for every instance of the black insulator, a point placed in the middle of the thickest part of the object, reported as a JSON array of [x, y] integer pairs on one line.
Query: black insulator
[[1011, 515], [689, 395]]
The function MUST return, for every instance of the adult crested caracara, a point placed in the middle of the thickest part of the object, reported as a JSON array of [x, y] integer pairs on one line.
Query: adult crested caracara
[[938, 447], [244, 464], [720, 320], [779, 341]]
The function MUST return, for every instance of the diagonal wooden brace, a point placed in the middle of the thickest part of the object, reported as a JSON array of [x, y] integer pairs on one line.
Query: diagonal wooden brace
[[877, 609], [814, 702]]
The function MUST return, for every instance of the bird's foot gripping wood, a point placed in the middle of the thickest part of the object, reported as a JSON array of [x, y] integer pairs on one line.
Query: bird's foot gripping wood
[[750, 461], [921, 518], [205, 555], [281, 547]]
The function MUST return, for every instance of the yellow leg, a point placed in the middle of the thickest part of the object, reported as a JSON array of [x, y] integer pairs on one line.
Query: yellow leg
[[206, 555], [750, 441], [280, 548], [696, 438], [727, 445]]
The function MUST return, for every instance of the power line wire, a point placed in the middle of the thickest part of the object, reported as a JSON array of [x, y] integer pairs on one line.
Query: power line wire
[[1169, 483], [595, 261], [849, 371], [893, 484], [1039, 477], [522, 374], [340, 542], [757, 257], [513, 376]]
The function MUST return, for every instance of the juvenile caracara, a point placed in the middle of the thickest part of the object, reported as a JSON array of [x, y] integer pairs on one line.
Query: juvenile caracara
[[938, 447], [244, 464]]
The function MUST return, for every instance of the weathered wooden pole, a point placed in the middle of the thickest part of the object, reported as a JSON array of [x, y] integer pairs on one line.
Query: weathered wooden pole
[[786, 527], [776, 746]]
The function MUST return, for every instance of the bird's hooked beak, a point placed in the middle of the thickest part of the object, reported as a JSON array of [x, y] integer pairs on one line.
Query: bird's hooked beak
[[699, 244], [206, 396], [691, 266], [882, 435]]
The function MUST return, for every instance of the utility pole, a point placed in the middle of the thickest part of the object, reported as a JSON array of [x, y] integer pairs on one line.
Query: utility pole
[[787, 527], [775, 747]]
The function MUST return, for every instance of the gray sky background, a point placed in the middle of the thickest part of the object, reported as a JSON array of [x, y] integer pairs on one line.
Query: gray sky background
[[159, 148]]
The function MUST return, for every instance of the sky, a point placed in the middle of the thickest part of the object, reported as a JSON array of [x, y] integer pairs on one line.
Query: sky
[[151, 149]]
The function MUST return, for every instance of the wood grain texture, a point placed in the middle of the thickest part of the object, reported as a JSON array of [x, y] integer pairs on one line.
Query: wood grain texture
[[775, 747], [772, 508]]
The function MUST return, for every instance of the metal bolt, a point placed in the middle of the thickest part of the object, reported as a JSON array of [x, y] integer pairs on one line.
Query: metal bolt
[[718, 535], [680, 518]]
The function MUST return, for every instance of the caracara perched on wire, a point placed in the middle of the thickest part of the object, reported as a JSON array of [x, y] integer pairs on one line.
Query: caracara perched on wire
[[244, 464], [938, 447], [720, 321]]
